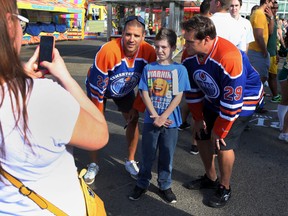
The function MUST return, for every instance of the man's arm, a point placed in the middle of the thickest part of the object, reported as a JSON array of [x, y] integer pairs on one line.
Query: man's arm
[[172, 106], [258, 35], [147, 101], [271, 25]]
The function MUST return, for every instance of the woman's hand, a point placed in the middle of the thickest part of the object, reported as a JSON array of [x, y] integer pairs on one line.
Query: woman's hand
[[57, 67], [31, 67]]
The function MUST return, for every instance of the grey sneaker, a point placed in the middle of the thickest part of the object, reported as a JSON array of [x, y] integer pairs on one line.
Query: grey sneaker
[[132, 168], [91, 173]]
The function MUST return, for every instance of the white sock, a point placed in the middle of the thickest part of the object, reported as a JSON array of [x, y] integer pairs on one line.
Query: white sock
[[282, 109]]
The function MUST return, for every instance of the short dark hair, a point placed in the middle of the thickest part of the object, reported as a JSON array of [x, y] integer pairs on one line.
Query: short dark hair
[[204, 7], [263, 2], [167, 34], [201, 25], [255, 7], [225, 4], [240, 1]]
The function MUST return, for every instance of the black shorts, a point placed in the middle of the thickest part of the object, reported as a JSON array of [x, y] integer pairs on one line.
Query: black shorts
[[232, 139], [125, 104]]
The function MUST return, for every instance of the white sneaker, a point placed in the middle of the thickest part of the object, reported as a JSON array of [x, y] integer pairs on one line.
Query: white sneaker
[[91, 173], [283, 136], [132, 168]]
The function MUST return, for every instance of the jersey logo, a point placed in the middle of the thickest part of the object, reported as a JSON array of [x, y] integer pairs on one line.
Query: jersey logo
[[123, 83], [206, 83]]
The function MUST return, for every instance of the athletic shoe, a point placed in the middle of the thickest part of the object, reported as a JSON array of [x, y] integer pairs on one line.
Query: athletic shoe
[[202, 183], [220, 198], [168, 195], [132, 168], [137, 193], [184, 126], [283, 136], [276, 99], [194, 150], [91, 173]]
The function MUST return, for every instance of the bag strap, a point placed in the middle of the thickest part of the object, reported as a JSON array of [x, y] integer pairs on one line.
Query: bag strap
[[39, 200]]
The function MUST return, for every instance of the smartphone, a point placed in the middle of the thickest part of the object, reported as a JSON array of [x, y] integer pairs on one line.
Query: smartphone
[[46, 49]]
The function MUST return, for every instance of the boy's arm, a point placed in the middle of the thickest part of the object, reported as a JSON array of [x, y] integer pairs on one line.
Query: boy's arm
[[174, 103], [147, 101]]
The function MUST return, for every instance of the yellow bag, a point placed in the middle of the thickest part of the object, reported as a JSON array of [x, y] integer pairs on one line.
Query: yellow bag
[[94, 204]]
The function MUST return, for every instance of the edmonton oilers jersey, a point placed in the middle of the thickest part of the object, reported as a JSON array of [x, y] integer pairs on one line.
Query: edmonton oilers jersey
[[225, 81], [113, 75]]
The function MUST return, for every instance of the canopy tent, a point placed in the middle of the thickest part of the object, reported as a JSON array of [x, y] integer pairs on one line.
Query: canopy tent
[[58, 6]]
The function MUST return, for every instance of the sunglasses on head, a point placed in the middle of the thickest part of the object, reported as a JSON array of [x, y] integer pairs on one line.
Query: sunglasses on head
[[23, 21], [138, 18]]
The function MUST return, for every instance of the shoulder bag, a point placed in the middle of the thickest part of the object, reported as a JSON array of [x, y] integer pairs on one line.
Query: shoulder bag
[[94, 205]]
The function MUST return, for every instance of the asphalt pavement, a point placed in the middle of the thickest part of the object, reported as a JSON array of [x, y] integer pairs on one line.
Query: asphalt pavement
[[259, 182]]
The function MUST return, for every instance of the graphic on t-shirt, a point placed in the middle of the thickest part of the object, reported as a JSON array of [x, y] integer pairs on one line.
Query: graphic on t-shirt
[[160, 88]]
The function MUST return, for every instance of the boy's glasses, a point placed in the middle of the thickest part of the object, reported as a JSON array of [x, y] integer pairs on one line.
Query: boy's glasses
[[23, 21], [138, 18]]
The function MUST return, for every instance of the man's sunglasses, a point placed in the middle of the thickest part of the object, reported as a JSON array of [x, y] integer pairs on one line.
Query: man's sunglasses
[[23, 21], [138, 18]]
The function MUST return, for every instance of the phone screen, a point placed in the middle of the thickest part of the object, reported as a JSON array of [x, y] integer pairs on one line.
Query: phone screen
[[46, 49]]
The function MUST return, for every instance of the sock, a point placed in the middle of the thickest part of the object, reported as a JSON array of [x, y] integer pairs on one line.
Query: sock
[[282, 109]]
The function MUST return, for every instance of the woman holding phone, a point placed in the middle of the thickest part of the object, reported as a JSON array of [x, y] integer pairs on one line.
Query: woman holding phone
[[40, 123]]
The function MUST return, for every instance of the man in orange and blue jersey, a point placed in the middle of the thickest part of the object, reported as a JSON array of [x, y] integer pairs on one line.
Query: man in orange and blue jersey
[[115, 74], [225, 90]]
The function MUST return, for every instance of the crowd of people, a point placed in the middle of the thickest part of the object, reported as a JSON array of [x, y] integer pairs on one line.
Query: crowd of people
[[226, 62]]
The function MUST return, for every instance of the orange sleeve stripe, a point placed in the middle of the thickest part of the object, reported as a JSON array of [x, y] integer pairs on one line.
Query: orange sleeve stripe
[[251, 102], [96, 93], [222, 127]]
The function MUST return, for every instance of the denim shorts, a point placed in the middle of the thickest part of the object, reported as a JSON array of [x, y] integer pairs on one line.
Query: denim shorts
[[260, 63]]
